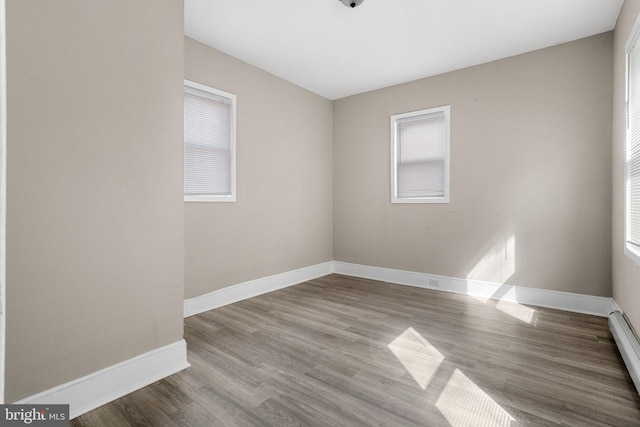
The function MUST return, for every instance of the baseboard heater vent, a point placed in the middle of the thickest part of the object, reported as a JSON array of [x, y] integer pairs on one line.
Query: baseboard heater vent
[[628, 345]]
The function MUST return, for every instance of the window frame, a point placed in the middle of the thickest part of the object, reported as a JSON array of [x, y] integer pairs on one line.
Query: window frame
[[395, 118], [232, 197], [630, 249]]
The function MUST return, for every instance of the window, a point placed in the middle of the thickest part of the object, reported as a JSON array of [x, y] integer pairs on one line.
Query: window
[[209, 144], [632, 160], [420, 156]]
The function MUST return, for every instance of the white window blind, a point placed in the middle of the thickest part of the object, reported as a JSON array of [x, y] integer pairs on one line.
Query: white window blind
[[633, 146], [209, 144], [420, 152]]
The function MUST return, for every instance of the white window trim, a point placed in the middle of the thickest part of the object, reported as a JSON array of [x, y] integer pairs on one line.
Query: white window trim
[[631, 250], [394, 156], [218, 198]]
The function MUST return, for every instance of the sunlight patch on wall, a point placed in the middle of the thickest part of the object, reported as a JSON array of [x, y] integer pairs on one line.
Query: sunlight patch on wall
[[498, 263], [463, 403], [418, 357]]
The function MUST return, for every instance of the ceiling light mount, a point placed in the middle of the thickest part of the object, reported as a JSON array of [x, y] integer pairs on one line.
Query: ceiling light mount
[[351, 3]]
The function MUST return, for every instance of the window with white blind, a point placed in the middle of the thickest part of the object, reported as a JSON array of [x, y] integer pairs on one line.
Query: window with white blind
[[632, 163], [209, 144], [420, 156]]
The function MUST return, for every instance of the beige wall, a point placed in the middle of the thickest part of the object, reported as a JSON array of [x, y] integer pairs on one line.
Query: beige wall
[[530, 173], [283, 217], [95, 215], [626, 274]]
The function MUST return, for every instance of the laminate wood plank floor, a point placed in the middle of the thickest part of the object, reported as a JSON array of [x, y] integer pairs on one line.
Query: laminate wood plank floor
[[343, 351]]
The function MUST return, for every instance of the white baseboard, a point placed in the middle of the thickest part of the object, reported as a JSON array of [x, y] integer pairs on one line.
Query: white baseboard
[[578, 303], [614, 307], [106, 385], [628, 345], [253, 288]]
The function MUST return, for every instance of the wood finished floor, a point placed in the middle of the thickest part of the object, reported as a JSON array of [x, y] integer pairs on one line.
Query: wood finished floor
[[342, 351]]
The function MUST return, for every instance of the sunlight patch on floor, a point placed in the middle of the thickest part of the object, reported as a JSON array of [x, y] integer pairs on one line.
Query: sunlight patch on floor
[[464, 404], [517, 311], [418, 357]]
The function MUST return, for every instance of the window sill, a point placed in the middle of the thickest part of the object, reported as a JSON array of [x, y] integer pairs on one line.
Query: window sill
[[223, 199], [632, 252], [395, 200]]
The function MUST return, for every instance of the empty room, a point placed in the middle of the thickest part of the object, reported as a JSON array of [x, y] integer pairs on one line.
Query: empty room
[[320, 212]]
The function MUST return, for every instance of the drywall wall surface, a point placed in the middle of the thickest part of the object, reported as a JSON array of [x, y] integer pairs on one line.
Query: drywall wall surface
[[95, 237], [530, 173], [282, 219], [626, 273]]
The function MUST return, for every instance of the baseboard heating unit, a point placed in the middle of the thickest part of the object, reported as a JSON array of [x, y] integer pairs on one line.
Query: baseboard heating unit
[[628, 345]]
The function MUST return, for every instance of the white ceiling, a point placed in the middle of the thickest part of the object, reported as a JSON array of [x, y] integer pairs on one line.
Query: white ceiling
[[336, 51]]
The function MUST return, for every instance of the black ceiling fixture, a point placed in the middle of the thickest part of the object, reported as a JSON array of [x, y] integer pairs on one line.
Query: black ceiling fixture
[[351, 3]]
